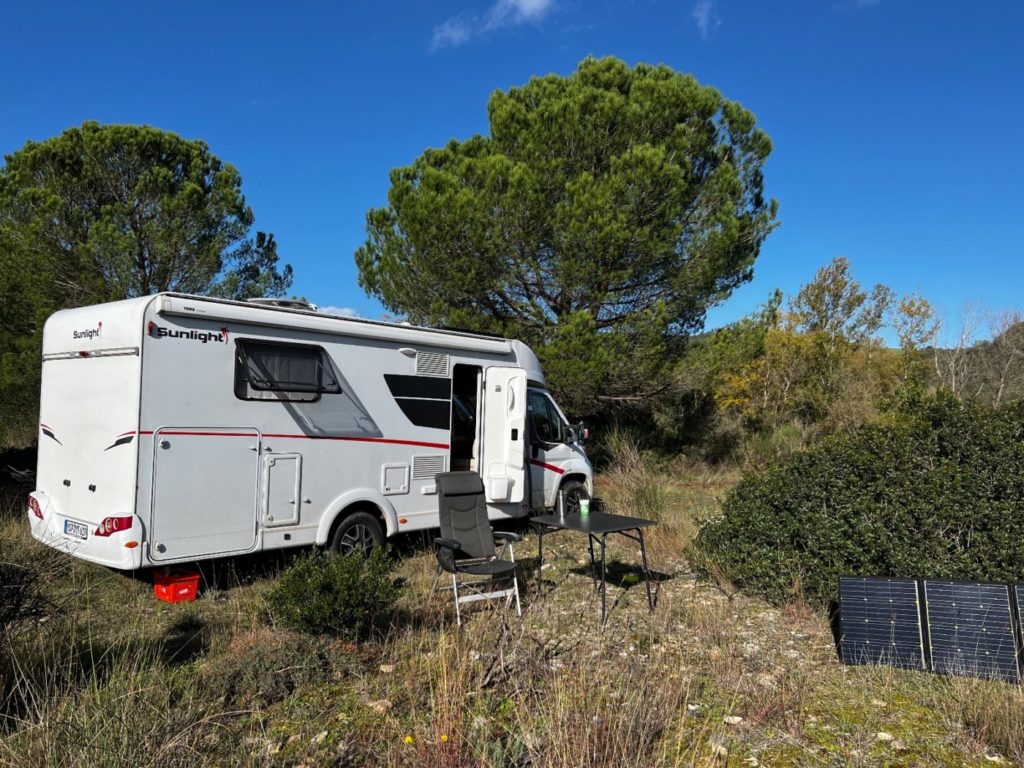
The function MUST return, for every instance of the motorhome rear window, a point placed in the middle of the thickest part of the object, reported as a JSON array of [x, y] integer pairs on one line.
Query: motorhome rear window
[[271, 371]]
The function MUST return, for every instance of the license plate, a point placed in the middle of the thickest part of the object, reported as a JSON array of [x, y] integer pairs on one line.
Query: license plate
[[76, 530]]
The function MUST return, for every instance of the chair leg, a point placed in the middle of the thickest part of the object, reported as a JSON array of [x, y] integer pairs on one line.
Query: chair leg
[[455, 588], [515, 580]]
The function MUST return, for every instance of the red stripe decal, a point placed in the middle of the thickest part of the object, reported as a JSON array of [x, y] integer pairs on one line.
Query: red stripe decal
[[276, 436], [386, 440], [549, 467], [46, 426], [205, 434]]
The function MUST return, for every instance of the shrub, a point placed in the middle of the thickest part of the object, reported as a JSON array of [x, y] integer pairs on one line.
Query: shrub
[[329, 594], [935, 491]]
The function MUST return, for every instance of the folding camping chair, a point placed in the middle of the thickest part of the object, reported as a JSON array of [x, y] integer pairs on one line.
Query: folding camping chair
[[466, 545]]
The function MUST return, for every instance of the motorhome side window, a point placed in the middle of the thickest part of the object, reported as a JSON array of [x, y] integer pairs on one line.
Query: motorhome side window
[[547, 424], [291, 372]]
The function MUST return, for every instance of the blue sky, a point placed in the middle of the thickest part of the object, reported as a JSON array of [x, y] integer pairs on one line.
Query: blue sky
[[896, 125]]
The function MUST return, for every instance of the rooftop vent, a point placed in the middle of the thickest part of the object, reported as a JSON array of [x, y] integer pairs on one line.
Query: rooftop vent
[[285, 303]]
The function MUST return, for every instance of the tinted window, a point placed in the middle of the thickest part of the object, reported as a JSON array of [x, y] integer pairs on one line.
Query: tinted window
[[266, 371], [547, 424]]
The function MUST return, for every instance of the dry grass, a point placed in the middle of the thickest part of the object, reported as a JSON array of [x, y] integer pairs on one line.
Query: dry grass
[[120, 710], [114, 678], [990, 713], [599, 715], [679, 496]]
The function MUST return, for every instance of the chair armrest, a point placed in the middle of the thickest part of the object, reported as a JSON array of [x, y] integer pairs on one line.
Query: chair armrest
[[506, 536], [446, 551]]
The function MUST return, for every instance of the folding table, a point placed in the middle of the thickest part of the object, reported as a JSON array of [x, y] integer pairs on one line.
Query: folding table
[[597, 525]]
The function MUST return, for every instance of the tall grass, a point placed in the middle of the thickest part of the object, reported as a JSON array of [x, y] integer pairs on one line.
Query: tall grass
[[443, 680], [605, 715], [604, 712], [676, 495], [12, 501], [125, 709], [81, 687], [991, 712], [638, 486]]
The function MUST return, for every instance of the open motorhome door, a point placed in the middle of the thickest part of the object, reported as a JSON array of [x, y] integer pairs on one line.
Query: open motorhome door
[[504, 440]]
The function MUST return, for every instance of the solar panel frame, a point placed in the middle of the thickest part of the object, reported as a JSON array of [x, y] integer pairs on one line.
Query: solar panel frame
[[881, 622], [972, 629]]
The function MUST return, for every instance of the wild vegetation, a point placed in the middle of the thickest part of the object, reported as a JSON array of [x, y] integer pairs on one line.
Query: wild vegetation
[[107, 676], [932, 490]]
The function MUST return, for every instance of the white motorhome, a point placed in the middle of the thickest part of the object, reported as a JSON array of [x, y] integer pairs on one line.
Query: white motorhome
[[177, 428]]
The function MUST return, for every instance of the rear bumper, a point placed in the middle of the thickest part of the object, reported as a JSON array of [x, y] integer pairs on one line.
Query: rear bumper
[[102, 550]]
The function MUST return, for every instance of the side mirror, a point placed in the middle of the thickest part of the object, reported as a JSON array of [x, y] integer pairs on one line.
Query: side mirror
[[581, 432]]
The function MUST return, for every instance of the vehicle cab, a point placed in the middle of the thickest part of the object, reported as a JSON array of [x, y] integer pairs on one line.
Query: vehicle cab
[[556, 456], [556, 459]]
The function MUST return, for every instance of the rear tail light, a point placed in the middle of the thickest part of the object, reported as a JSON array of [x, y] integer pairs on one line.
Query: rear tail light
[[113, 525], [33, 504]]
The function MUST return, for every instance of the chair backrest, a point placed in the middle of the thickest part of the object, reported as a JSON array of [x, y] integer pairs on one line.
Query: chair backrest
[[463, 513]]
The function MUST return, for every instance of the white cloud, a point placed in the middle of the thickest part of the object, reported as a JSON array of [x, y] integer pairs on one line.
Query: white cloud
[[513, 12], [504, 13], [339, 311], [705, 18], [454, 31]]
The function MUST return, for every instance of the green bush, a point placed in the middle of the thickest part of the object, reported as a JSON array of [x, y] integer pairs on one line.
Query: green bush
[[935, 491], [328, 594]]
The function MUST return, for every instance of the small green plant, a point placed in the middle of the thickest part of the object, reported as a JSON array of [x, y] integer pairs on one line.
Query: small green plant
[[337, 595]]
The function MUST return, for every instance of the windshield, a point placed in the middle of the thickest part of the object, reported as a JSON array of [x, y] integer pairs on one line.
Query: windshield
[[545, 419]]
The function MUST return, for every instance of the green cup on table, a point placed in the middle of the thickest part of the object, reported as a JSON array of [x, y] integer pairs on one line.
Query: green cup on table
[[584, 506]]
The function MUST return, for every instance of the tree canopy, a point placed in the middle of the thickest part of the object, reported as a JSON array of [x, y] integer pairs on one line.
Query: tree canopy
[[106, 212], [606, 211]]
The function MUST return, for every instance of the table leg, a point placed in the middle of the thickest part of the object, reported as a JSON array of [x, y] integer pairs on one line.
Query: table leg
[[540, 560], [604, 578], [647, 572], [593, 564]]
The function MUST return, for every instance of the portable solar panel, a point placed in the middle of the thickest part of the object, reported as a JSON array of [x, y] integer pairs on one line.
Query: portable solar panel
[[971, 629], [880, 622]]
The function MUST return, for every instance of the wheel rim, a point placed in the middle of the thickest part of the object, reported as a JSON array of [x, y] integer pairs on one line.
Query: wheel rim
[[358, 538], [572, 501]]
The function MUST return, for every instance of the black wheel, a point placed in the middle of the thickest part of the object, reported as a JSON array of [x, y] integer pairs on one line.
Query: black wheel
[[358, 532], [574, 490]]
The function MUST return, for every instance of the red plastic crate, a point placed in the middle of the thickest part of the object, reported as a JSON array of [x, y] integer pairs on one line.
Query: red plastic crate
[[176, 586]]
